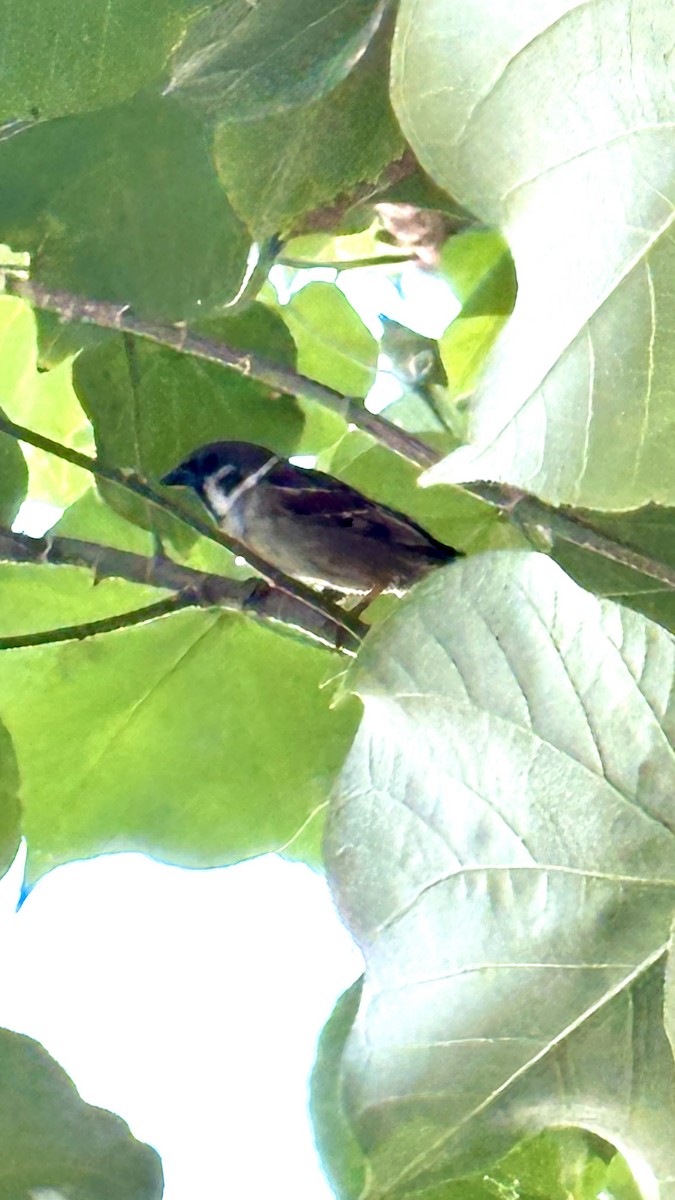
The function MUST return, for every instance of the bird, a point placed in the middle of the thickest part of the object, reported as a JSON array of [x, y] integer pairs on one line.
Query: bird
[[308, 524]]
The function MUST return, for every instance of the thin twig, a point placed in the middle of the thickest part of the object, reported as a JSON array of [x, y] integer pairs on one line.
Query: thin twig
[[192, 588], [254, 366], [71, 633], [133, 483], [347, 264]]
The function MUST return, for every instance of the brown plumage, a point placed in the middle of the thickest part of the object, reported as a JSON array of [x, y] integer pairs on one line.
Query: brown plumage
[[308, 524]]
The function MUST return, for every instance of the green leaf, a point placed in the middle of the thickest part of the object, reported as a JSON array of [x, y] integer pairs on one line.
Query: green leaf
[[44, 401], [202, 738], [66, 56], [17, 378], [416, 188], [550, 1166], [240, 60], [280, 167], [323, 428], [90, 519], [341, 1157], [13, 479], [10, 806], [561, 1164], [59, 339], [479, 269], [510, 877], [41, 596], [53, 409], [620, 1183], [334, 346], [577, 400], [124, 205], [150, 406], [51, 1142], [18, 359], [341, 249], [649, 532]]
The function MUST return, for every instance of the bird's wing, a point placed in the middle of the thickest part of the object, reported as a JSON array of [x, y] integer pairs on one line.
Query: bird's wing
[[325, 501]]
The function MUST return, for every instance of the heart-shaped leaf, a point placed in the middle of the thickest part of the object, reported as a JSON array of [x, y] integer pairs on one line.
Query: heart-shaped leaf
[[553, 122], [503, 848], [52, 1143]]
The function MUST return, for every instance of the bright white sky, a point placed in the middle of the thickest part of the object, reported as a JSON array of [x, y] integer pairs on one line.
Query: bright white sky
[[190, 1002]]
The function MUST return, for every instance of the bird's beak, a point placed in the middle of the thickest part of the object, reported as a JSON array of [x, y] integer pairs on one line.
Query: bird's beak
[[179, 477]]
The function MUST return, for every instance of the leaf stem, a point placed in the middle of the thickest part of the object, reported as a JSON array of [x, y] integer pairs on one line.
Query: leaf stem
[[347, 264]]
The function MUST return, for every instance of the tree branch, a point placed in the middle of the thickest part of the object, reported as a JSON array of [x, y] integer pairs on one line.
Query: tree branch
[[541, 523], [280, 379], [191, 589], [133, 483], [525, 510]]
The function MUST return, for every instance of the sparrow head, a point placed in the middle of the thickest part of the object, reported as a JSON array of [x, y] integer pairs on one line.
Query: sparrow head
[[222, 463]]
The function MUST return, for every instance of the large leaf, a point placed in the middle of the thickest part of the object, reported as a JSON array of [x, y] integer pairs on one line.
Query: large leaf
[[280, 167], [241, 60], [334, 346], [36, 597], [65, 56], [150, 406], [52, 1143], [553, 122], [562, 1164], [124, 205], [10, 807], [510, 877], [202, 738]]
